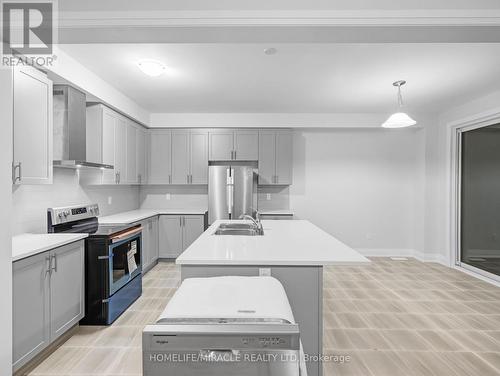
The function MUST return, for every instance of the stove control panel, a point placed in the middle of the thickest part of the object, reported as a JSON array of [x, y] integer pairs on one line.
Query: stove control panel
[[72, 213]]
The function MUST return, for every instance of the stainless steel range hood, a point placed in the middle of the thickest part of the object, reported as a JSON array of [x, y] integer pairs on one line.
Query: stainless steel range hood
[[70, 133]]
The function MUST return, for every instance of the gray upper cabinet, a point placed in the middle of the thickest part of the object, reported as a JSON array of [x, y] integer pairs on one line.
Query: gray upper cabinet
[[141, 155], [267, 157], [31, 310], [48, 299], [67, 294], [284, 156], [101, 141], [199, 157], [275, 157], [221, 144], [230, 144], [115, 140], [180, 157], [131, 152], [188, 159], [246, 145], [120, 150], [160, 157], [33, 113]]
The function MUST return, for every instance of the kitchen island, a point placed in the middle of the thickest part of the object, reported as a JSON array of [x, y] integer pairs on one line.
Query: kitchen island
[[293, 251]]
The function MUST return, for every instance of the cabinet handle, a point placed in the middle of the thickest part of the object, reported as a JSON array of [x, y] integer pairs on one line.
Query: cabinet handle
[[54, 257], [180, 221], [231, 154], [187, 178], [139, 178], [48, 265], [190, 179], [276, 179], [169, 179], [15, 177]]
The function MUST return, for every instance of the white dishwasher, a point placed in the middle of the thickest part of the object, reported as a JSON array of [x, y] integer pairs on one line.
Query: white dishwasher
[[222, 326]]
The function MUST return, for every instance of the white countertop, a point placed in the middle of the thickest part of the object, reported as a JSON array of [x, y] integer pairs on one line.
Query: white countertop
[[286, 242], [276, 212], [141, 214], [25, 245]]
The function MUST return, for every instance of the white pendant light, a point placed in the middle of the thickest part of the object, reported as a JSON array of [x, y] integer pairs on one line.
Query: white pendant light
[[399, 119]]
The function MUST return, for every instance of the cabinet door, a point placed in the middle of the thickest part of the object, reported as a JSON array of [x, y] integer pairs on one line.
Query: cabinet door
[[153, 238], [170, 235], [267, 157], [141, 155], [246, 145], [32, 127], [284, 156], [199, 157], [131, 153], [108, 145], [159, 161], [221, 145], [30, 307], [192, 228], [180, 157], [146, 246], [67, 294], [121, 149]]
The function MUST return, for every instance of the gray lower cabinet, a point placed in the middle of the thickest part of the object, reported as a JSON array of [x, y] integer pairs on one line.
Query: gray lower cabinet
[[48, 299], [149, 243], [67, 288], [177, 232], [30, 308]]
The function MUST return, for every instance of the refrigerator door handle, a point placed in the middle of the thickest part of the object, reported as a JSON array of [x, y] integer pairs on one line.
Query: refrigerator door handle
[[230, 191]]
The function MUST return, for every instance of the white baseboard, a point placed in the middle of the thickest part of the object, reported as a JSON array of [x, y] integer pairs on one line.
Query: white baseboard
[[404, 252]]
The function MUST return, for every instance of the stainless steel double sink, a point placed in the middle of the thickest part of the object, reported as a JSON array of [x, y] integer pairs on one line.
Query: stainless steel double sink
[[246, 229]]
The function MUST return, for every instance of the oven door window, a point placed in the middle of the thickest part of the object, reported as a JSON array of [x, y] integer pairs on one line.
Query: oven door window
[[125, 262]]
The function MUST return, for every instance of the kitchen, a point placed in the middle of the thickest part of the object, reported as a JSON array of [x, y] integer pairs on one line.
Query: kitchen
[[372, 231]]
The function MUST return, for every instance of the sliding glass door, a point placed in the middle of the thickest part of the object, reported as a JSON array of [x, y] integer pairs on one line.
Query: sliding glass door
[[479, 189]]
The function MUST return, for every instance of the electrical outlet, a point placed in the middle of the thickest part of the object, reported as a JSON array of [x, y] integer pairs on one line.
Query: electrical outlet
[[167, 196], [110, 200], [265, 272], [268, 196]]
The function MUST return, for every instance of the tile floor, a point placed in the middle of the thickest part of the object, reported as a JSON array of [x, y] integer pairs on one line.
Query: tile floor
[[390, 318]]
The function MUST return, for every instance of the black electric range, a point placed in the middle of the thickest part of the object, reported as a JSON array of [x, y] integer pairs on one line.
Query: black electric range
[[113, 264]]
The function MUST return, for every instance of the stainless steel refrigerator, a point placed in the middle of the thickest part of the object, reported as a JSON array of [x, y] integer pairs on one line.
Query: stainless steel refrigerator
[[232, 189]]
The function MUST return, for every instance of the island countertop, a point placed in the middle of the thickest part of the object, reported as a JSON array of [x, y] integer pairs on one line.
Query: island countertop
[[287, 242]]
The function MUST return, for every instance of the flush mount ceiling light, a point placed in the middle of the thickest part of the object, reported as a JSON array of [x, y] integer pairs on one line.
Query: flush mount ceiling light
[[152, 68], [399, 119], [270, 51]]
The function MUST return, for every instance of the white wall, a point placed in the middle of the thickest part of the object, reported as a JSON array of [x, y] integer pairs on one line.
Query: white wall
[[364, 186], [30, 203], [5, 221]]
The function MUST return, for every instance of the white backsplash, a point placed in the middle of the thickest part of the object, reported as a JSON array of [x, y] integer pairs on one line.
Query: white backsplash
[[174, 197], [273, 198], [30, 202]]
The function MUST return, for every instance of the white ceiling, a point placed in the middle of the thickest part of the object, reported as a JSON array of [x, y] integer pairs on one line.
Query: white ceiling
[[299, 78]]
